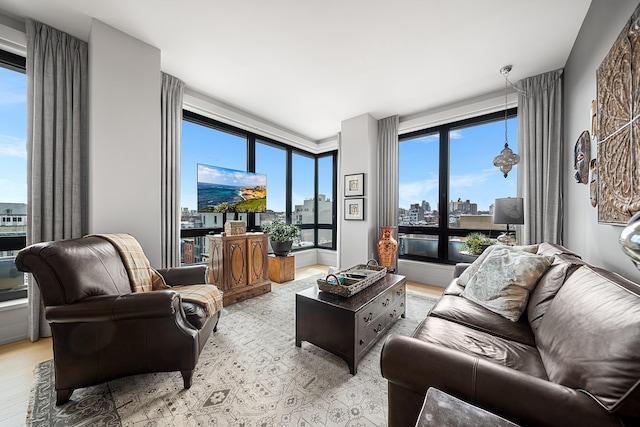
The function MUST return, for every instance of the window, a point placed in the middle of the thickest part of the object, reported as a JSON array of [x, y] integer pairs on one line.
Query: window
[[291, 184], [302, 195], [272, 161], [13, 172], [448, 184], [326, 203]]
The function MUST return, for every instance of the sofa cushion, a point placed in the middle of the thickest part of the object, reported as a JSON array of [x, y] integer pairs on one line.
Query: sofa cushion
[[470, 271], [546, 248], [468, 313], [549, 285], [511, 354], [589, 338], [504, 280]]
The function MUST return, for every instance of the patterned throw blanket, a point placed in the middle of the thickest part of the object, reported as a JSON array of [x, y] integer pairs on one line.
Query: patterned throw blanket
[[144, 278]]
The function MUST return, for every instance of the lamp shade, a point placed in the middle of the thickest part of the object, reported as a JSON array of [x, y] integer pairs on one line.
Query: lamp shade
[[508, 210]]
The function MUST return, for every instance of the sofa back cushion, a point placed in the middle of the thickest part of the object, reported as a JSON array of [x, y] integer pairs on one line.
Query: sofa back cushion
[[549, 285], [589, 338], [546, 248]]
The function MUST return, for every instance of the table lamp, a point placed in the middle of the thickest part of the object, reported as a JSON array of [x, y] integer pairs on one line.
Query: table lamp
[[508, 210]]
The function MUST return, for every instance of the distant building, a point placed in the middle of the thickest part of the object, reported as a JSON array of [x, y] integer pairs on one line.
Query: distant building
[[187, 251], [426, 206], [304, 213], [416, 214], [13, 215], [463, 207]]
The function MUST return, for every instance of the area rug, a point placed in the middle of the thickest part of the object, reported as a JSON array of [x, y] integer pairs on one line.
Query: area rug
[[250, 373]]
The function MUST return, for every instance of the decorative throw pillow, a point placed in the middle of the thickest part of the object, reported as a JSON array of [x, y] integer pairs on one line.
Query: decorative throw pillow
[[505, 279], [473, 268]]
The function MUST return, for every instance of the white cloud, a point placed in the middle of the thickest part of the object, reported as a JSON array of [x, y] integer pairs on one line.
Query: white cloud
[[13, 147], [469, 180], [428, 139], [229, 176], [455, 135], [417, 191]]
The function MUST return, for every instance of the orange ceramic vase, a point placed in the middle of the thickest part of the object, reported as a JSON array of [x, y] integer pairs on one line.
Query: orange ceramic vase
[[387, 247]]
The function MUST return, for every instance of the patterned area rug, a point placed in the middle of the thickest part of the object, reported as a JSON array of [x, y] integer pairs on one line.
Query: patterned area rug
[[250, 373]]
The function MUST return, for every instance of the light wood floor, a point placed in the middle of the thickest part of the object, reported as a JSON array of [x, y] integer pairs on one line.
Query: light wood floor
[[17, 360]]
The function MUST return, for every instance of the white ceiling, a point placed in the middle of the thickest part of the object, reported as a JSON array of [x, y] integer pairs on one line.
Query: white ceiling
[[307, 65]]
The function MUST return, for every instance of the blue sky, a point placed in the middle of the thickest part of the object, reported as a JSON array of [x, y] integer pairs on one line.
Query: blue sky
[[13, 134], [472, 174], [232, 177]]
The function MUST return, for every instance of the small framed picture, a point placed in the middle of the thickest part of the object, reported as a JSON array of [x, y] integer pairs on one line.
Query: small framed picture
[[354, 185], [354, 209]]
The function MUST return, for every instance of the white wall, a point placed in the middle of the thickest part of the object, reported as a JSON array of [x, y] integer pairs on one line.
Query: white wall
[[597, 243], [358, 154], [124, 137]]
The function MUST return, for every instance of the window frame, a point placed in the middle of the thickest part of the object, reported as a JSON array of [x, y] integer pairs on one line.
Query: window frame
[[18, 64], [442, 231], [252, 139]]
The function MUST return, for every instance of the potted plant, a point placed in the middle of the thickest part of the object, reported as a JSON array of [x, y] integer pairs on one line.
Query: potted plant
[[281, 236], [476, 243]]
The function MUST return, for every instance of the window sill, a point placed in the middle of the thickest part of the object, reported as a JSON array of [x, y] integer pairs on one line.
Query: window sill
[[13, 304]]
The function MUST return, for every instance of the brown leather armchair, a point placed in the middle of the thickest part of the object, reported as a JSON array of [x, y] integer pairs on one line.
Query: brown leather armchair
[[102, 330]]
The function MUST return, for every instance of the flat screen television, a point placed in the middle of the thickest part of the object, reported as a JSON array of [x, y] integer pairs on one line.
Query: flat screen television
[[230, 190]]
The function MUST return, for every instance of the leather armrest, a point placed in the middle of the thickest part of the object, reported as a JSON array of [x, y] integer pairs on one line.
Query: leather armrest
[[188, 275], [156, 304], [527, 400]]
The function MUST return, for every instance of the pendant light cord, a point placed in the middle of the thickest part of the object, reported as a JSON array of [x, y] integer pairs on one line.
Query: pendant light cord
[[506, 139]]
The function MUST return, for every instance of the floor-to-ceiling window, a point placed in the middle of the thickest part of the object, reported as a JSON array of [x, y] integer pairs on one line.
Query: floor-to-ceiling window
[[297, 184], [326, 207], [13, 172], [271, 160], [448, 184], [303, 198]]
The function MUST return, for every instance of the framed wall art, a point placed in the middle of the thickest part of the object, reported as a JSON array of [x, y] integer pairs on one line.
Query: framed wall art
[[354, 185], [618, 126], [354, 209]]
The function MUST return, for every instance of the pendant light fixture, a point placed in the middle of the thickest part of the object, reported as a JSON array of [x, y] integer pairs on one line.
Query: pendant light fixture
[[507, 158]]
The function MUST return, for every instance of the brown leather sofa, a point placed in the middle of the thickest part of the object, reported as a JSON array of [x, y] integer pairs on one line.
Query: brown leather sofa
[[573, 358], [100, 329]]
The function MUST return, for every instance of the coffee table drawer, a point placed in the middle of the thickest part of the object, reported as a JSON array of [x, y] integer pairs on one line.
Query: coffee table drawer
[[380, 305], [373, 329]]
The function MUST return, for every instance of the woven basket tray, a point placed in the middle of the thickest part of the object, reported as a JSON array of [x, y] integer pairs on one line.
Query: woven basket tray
[[353, 282]]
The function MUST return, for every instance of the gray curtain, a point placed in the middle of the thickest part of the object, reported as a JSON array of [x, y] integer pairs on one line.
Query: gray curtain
[[540, 147], [171, 110], [388, 179], [57, 68]]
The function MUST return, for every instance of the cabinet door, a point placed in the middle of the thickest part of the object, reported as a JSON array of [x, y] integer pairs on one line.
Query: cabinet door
[[216, 272], [257, 258], [235, 267]]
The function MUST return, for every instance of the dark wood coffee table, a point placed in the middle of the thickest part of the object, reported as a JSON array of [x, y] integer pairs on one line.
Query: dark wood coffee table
[[349, 327]]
